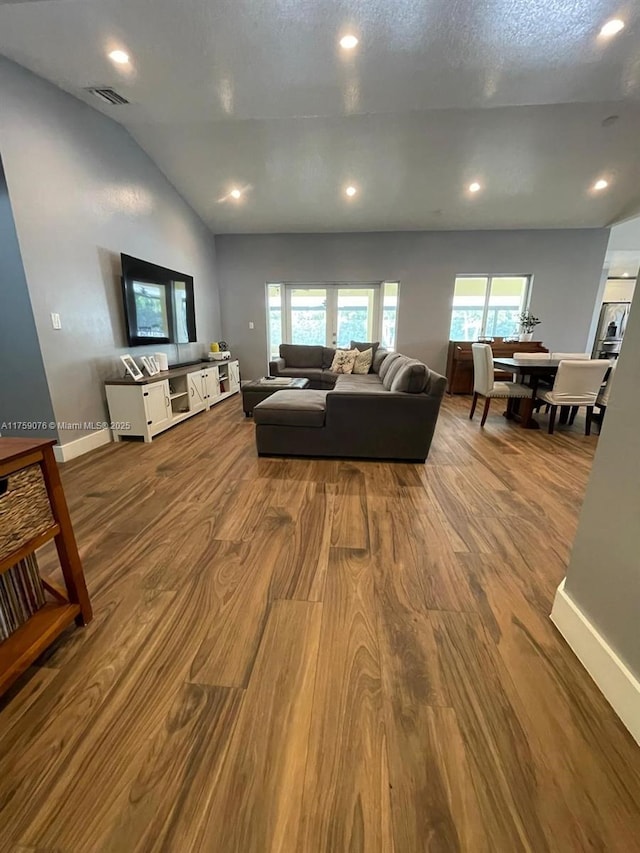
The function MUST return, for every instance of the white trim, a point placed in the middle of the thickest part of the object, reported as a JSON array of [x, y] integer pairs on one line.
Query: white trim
[[65, 452], [616, 681]]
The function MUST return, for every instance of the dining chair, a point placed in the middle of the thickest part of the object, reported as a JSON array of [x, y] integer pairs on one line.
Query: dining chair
[[603, 396], [577, 384], [573, 356], [484, 384]]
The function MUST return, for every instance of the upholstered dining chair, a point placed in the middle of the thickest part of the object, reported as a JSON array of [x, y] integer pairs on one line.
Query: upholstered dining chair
[[603, 396], [484, 384], [574, 356], [577, 384]]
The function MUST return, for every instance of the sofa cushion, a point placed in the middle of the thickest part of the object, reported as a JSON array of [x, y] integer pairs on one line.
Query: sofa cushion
[[386, 364], [298, 355], [302, 372], [343, 361], [327, 357], [363, 346], [411, 378], [363, 362], [363, 380], [292, 408], [396, 365], [378, 358], [359, 384]]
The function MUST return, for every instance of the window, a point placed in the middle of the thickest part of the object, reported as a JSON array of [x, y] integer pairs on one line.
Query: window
[[390, 296], [274, 318], [488, 305], [331, 314]]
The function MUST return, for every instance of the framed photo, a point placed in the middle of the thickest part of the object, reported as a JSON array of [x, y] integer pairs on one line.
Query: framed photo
[[150, 365], [132, 368]]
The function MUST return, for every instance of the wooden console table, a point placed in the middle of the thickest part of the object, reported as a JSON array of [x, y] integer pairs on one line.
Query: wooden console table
[[460, 361], [33, 510]]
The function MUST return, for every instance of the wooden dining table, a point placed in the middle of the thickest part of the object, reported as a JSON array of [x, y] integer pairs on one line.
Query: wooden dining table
[[534, 370]]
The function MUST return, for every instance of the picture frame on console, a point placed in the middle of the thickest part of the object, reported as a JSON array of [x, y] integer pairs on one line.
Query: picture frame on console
[[150, 364], [131, 367]]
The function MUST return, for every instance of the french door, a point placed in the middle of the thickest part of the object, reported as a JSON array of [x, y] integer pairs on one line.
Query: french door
[[331, 315]]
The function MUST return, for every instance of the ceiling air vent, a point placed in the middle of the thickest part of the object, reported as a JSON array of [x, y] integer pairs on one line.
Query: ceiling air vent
[[107, 94]]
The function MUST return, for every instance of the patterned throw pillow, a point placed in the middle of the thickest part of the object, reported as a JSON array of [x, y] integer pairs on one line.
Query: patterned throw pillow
[[363, 361], [343, 361]]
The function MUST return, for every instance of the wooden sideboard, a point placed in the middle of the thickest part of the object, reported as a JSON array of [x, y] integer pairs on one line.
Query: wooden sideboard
[[460, 361]]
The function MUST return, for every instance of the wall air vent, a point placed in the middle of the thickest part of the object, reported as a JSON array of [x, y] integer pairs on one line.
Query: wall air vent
[[107, 95]]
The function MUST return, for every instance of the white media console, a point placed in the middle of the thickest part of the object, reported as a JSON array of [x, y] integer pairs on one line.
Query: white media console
[[155, 403]]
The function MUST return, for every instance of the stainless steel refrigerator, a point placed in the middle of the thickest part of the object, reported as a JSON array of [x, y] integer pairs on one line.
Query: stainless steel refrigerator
[[611, 328]]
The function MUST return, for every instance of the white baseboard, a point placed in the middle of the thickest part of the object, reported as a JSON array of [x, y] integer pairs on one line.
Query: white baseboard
[[616, 681], [65, 452]]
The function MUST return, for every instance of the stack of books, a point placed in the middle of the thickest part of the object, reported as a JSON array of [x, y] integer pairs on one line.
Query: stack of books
[[21, 595]]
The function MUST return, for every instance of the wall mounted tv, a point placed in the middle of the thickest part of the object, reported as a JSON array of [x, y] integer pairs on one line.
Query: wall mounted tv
[[158, 304]]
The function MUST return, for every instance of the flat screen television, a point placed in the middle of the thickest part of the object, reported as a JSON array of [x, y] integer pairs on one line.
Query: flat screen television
[[158, 304]]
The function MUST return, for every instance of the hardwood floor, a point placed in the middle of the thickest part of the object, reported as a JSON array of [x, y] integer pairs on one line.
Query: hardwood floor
[[320, 656]]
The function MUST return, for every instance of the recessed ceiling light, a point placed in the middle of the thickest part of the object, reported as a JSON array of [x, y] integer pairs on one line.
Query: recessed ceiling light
[[119, 57], [351, 191], [625, 275], [235, 193], [601, 184], [612, 27], [348, 42], [474, 187]]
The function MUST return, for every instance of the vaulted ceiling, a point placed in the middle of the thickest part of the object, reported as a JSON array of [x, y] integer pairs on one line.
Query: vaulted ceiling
[[523, 96]]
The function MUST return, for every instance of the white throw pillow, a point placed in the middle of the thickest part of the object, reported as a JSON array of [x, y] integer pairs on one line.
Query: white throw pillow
[[343, 361], [363, 361]]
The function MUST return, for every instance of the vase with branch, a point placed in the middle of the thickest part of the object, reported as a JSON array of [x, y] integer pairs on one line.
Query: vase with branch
[[528, 322]]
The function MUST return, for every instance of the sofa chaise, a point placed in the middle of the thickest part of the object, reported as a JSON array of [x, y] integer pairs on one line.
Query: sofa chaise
[[390, 413]]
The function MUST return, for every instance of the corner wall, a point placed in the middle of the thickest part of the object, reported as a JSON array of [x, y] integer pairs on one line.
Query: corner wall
[[566, 265], [24, 394], [602, 586], [82, 191]]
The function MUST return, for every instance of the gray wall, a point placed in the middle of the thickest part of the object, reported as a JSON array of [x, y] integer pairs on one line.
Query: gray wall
[[566, 265], [24, 393], [603, 578], [83, 191]]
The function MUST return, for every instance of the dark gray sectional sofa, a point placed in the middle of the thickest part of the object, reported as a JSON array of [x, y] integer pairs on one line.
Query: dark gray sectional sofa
[[389, 413]]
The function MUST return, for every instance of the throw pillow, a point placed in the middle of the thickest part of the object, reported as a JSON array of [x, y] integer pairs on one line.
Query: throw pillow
[[363, 361], [363, 346], [393, 371], [343, 361], [411, 378], [378, 358], [386, 364]]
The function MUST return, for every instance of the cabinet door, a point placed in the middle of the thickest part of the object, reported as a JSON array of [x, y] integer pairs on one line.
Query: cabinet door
[[157, 406], [234, 376], [195, 385], [210, 384]]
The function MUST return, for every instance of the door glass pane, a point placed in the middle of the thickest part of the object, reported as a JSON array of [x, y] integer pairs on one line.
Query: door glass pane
[[389, 314], [468, 308], [274, 310], [506, 301], [354, 318], [308, 316]]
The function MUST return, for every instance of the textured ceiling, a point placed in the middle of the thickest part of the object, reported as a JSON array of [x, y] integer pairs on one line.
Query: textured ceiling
[[438, 93]]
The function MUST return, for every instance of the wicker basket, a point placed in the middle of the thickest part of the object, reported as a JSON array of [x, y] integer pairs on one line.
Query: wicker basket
[[24, 509]]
